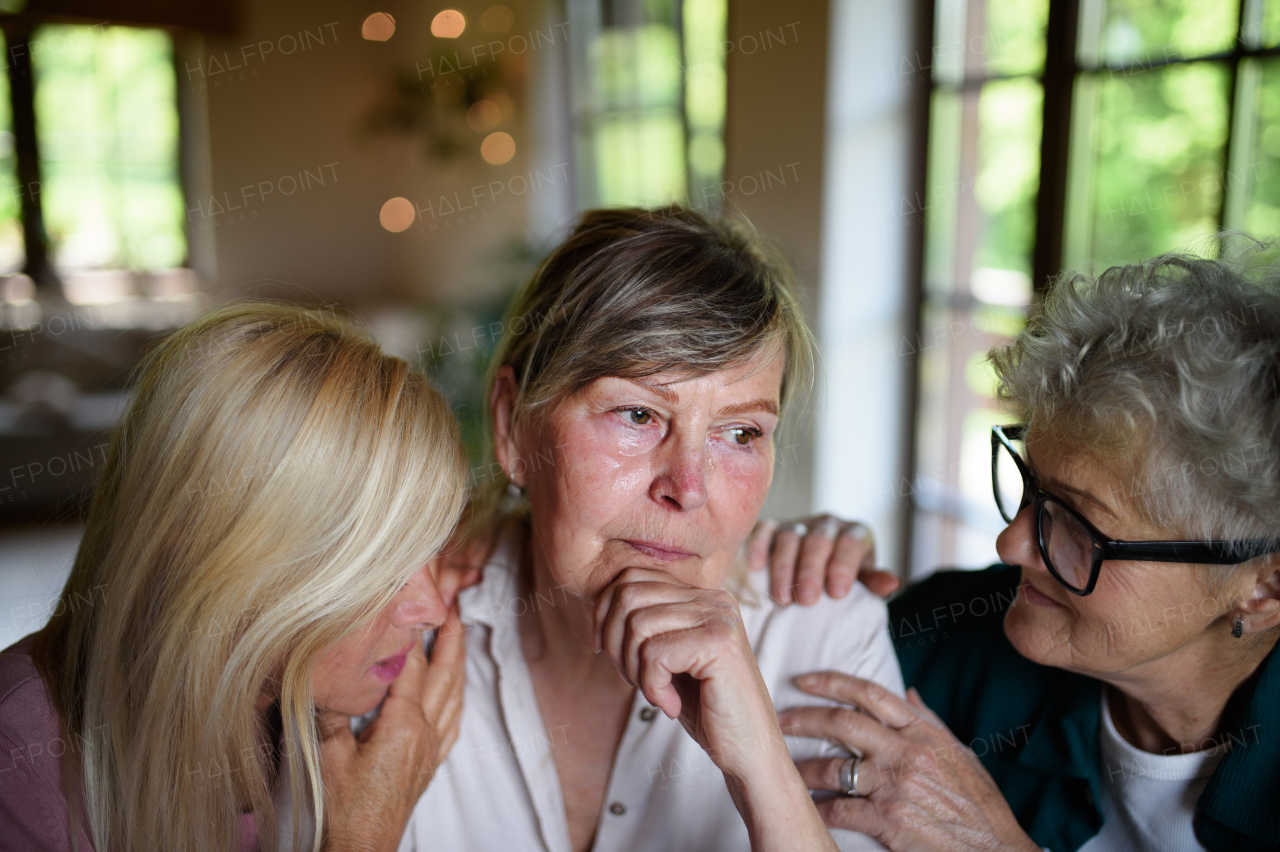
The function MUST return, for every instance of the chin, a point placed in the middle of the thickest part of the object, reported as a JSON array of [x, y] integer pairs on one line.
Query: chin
[[376, 695], [1031, 633], [360, 701]]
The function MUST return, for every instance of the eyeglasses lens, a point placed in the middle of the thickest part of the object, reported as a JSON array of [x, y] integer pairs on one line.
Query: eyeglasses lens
[[1069, 545], [1008, 482]]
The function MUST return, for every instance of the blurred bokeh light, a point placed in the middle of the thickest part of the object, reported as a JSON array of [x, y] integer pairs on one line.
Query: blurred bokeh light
[[397, 214], [448, 24], [498, 148], [378, 27]]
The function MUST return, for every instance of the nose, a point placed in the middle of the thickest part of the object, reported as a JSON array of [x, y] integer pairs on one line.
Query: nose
[[681, 476], [419, 603], [1017, 544]]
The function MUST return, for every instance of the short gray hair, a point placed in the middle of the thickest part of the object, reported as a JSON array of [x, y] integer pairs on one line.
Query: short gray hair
[[1170, 368], [635, 292]]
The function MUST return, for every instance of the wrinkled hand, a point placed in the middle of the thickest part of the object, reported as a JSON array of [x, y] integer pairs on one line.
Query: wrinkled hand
[[921, 789], [685, 648], [372, 782], [833, 553]]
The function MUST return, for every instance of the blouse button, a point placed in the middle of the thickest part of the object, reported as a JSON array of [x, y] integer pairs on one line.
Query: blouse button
[[617, 809], [648, 714]]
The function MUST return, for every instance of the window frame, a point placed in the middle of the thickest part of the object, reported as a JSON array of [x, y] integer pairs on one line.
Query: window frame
[[588, 21], [1062, 71], [18, 31], [1059, 79]]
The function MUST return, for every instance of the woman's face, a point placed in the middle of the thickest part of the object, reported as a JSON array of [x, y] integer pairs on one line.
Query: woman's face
[[664, 472], [353, 674], [1138, 612]]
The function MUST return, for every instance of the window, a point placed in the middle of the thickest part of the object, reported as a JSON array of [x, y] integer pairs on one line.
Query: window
[[90, 122], [979, 217], [1067, 134], [12, 254], [649, 100], [1154, 163], [107, 124]]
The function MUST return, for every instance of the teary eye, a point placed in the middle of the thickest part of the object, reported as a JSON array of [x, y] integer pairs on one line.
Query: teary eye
[[742, 436]]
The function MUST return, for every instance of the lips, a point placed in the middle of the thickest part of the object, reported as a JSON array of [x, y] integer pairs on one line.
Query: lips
[[1037, 597], [389, 669], [659, 551]]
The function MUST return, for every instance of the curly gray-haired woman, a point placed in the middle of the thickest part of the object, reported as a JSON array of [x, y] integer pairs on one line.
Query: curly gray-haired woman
[[1129, 696]]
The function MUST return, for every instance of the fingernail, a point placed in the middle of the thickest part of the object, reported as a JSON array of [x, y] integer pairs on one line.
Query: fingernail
[[858, 531], [595, 640], [806, 681]]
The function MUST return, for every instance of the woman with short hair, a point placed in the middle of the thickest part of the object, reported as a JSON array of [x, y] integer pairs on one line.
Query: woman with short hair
[[254, 562], [1127, 699], [621, 660]]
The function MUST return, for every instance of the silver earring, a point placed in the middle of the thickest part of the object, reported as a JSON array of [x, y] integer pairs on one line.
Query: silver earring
[[1237, 629], [515, 492]]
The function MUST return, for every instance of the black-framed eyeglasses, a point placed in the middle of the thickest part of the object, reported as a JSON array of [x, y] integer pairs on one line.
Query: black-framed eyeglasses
[[1074, 549]]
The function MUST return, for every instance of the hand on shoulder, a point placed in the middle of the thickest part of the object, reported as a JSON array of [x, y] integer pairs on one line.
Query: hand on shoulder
[[817, 553]]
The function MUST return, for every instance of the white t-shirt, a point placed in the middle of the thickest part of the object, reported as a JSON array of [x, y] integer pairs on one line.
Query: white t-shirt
[[1148, 800], [499, 790]]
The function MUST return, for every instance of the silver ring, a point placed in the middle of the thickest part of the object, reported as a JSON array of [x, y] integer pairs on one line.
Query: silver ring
[[798, 528], [849, 777]]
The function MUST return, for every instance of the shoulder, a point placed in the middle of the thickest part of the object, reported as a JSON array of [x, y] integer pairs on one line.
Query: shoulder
[[948, 633], [853, 619], [846, 634], [945, 588], [27, 714], [951, 612], [32, 807]]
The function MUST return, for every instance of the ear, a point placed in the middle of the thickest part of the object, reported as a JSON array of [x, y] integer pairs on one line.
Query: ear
[[1261, 609], [502, 410]]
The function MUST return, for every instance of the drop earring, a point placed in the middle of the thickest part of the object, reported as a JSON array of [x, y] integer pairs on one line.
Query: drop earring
[[1237, 628]]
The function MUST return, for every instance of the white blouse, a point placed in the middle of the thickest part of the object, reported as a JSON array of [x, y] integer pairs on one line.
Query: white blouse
[[499, 790]]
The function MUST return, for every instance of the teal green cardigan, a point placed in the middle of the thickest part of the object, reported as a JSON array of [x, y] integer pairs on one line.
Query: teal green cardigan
[[1035, 728]]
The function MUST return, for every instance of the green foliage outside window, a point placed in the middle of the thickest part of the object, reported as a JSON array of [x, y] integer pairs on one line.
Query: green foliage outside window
[[658, 82], [12, 253], [1156, 169], [107, 125]]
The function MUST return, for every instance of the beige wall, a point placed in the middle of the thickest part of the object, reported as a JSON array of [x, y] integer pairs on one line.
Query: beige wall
[[280, 115]]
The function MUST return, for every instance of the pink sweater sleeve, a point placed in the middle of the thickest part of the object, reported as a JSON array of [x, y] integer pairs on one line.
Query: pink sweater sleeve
[[33, 809], [33, 812]]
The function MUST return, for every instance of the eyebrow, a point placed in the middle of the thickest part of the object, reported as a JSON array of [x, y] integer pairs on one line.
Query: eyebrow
[[663, 392], [667, 395], [1080, 492], [1059, 485], [751, 407]]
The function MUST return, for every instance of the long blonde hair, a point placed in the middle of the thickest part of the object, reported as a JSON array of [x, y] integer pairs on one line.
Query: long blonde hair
[[275, 481]]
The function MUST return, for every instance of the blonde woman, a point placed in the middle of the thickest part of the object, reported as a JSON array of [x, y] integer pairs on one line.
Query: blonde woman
[[251, 577]]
